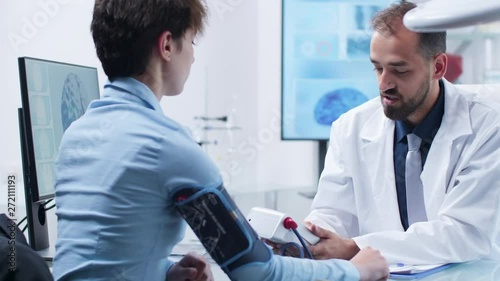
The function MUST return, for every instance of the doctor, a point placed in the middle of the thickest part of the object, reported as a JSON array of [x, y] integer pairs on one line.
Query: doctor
[[452, 212]]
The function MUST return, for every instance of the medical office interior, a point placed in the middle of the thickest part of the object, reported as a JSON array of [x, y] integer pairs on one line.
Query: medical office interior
[[234, 100]]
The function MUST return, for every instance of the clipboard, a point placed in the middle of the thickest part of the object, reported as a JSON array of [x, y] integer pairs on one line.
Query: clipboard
[[409, 272]]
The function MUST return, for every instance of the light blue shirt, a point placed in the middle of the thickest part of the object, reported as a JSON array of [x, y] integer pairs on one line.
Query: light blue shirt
[[117, 167]]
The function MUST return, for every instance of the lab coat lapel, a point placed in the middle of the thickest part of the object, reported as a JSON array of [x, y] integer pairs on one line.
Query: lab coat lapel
[[377, 136], [437, 172]]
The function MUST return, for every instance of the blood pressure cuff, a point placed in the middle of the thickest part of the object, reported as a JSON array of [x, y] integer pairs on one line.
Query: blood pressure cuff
[[221, 227]]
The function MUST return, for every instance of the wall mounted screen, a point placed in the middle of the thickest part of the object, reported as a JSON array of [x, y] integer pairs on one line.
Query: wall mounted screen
[[326, 68]]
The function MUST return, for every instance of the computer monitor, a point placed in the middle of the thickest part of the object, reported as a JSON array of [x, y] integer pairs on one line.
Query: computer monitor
[[53, 95], [325, 67]]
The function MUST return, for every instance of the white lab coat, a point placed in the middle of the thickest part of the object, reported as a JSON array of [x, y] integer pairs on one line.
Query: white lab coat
[[461, 178]]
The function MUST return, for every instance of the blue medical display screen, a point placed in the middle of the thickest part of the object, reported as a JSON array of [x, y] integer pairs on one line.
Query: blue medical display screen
[[326, 68], [57, 94]]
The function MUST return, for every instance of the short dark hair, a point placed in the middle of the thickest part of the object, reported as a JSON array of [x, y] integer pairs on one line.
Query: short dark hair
[[125, 31], [430, 43]]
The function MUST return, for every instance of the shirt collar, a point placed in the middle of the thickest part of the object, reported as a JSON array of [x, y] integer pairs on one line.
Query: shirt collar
[[136, 88], [428, 128]]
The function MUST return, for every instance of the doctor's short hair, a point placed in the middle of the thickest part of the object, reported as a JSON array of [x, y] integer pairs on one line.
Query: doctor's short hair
[[385, 21], [125, 31]]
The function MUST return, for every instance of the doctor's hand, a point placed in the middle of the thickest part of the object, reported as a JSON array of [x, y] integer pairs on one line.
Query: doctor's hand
[[371, 265], [331, 246], [191, 267]]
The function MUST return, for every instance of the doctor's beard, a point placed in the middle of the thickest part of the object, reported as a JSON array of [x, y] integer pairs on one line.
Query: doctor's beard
[[407, 105]]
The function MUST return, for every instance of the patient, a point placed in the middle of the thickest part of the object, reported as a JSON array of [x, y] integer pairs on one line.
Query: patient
[[121, 162]]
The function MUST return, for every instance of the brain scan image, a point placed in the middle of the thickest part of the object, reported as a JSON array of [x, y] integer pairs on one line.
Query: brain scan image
[[333, 104], [72, 100]]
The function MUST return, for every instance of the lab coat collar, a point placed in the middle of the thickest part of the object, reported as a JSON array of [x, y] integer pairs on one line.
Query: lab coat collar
[[456, 120], [377, 136], [456, 124], [376, 127]]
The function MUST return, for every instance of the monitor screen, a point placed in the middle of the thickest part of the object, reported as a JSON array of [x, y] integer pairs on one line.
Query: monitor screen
[[326, 68], [53, 95]]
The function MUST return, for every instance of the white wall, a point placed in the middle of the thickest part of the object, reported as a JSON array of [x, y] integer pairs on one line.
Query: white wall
[[297, 158], [230, 46]]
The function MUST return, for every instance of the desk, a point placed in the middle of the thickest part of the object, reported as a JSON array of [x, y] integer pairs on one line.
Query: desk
[[470, 271]]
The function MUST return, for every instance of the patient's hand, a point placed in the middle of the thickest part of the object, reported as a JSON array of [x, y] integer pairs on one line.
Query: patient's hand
[[190, 267], [278, 249], [371, 265]]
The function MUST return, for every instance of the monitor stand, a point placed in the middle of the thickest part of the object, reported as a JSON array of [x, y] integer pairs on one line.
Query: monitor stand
[[38, 232]]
